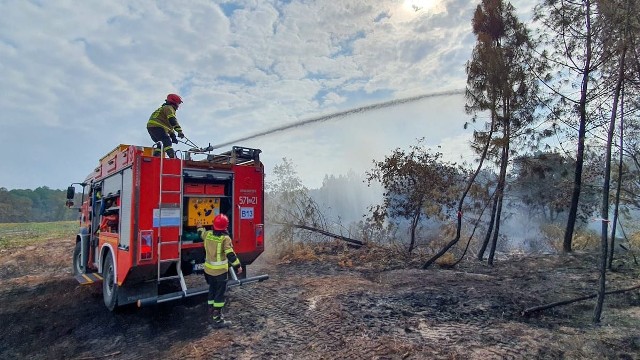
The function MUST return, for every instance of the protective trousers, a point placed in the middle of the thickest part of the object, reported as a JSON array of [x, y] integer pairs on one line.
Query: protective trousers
[[159, 134], [217, 289]]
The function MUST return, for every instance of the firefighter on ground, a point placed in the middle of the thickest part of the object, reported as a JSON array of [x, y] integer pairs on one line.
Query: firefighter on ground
[[219, 256], [163, 125]]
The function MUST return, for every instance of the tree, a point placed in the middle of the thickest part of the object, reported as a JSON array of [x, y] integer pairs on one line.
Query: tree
[[288, 205], [499, 80], [569, 34], [617, 40], [590, 41], [629, 172], [41, 204], [346, 196], [543, 183], [622, 29], [417, 186]]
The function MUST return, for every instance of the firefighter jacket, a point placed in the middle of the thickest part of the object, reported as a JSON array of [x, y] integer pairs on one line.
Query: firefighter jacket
[[219, 252], [165, 117]]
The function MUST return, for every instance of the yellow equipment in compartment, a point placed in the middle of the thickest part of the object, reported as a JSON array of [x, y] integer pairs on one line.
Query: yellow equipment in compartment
[[202, 210]]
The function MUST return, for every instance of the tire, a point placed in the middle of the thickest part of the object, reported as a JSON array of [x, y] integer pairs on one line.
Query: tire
[[78, 267], [109, 286]]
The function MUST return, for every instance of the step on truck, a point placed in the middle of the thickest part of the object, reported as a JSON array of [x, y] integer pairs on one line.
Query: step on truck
[[139, 216]]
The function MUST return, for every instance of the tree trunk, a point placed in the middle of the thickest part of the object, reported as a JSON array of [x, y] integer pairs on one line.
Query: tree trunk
[[496, 232], [597, 313], [414, 225], [582, 109], [487, 237], [461, 202], [529, 311], [324, 232], [466, 248], [619, 186], [504, 161]]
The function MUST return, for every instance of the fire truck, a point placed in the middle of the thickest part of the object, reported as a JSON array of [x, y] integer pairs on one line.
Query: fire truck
[[139, 216]]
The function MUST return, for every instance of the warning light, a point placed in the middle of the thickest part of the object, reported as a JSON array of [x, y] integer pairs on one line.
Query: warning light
[[146, 245]]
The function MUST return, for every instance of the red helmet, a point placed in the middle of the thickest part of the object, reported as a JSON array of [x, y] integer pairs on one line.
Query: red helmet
[[174, 99], [220, 222]]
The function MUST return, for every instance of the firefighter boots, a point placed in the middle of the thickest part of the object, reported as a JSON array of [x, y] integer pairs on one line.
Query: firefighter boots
[[218, 320]]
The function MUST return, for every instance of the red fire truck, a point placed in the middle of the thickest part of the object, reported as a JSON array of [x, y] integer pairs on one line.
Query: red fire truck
[[139, 216]]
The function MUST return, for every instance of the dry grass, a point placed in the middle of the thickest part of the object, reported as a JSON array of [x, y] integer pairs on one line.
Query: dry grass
[[634, 241], [297, 252], [395, 255], [553, 235], [371, 256], [585, 240], [447, 260]]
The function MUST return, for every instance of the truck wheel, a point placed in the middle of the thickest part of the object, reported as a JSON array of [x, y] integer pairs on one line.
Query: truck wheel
[[78, 267], [109, 287]]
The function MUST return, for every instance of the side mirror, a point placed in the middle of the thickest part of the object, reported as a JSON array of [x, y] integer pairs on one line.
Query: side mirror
[[71, 193]]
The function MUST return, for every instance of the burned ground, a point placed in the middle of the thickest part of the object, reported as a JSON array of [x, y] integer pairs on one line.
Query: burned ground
[[339, 304]]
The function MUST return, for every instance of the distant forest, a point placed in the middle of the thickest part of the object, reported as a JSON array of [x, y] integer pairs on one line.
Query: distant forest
[[39, 205]]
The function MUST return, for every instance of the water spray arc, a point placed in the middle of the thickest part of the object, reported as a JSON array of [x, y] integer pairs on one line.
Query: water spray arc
[[344, 113]]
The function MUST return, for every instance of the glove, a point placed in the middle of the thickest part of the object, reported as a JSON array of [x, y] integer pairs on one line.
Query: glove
[[181, 135], [173, 139]]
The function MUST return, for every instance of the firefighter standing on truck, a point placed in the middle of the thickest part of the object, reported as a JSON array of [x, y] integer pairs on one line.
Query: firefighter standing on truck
[[219, 254], [163, 125]]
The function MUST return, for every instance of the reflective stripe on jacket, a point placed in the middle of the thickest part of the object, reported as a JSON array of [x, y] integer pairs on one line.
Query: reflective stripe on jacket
[[217, 248], [165, 117]]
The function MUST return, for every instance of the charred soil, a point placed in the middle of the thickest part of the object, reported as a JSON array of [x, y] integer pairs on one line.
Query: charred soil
[[343, 303]]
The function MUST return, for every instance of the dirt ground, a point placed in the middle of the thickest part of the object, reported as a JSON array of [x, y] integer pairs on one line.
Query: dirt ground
[[341, 304]]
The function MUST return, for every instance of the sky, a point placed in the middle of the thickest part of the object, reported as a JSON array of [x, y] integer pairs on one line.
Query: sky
[[78, 78]]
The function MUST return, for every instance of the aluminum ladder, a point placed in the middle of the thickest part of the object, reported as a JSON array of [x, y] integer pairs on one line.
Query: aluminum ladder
[[161, 206]]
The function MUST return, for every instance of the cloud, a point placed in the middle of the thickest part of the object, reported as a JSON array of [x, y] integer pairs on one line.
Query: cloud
[[81, 77]]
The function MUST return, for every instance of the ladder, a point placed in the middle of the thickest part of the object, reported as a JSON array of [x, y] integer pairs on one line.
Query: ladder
[[167, 187]]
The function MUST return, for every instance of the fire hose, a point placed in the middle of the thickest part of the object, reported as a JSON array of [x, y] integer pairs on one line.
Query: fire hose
[[194, 147]]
